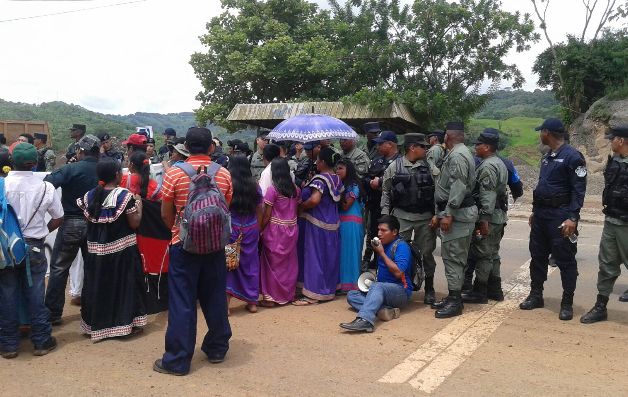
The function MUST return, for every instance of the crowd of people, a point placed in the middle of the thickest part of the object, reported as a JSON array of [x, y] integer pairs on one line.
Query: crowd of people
[[302, 222]]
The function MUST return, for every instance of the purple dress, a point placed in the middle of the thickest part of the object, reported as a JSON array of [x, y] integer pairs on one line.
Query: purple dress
[[319, 238], [243, 282], [279, 263]]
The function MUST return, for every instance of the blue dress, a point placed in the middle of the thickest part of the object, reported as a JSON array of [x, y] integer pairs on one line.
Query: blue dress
[[351, 241]]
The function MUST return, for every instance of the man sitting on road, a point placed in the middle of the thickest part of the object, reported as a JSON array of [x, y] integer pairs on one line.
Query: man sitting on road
[[393, 287]]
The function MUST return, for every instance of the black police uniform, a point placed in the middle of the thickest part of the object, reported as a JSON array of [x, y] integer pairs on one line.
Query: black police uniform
[[558, 196], [378, 166]]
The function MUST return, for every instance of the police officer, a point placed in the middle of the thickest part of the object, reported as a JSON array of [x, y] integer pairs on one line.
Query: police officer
[[556, 204], [257, 159], [614, 241], [387, 153], [45, 155], [456, 214], [170, 136], [436, 153], [408, 194], [354, 154], [371, 130], [76, 132], [491, 198], [106, 148]]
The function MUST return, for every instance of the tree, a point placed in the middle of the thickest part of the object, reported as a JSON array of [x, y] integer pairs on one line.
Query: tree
[[586, 71], [570, 92], [432, 56]]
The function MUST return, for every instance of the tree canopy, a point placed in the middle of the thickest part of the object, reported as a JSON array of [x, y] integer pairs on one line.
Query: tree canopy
[[433, 55]]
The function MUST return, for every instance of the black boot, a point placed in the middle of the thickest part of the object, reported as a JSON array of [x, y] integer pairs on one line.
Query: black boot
[[452, 308], [494, 289], [477, 295], [467, 285], [430, 296], [624, 296], [598, 313], [533, 301], [440, 304], [566, 307]]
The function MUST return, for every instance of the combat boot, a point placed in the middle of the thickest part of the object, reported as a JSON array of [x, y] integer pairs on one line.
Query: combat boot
[[533, 301], [494, 289], [566, 307], [477, 295], [624, 296], [452, 308], [430, 294], [467, 285], [598, 313]]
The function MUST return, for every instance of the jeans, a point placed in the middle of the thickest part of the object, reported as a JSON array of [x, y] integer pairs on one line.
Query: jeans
[[378, 296], [13, 282], [191, 278], [71, 236]]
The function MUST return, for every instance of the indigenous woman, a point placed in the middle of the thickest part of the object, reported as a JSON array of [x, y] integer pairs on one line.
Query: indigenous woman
[[319, 237], [138, 179], [246, 211], [351, 228], [279, 261], [112, 301]]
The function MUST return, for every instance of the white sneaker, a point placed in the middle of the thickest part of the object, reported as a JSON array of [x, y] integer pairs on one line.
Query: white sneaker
[[388, 313]]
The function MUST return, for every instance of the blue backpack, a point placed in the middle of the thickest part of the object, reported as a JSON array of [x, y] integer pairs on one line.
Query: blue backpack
[[13, 248]]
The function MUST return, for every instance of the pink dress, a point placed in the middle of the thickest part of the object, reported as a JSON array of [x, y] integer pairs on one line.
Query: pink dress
[[279, 264]]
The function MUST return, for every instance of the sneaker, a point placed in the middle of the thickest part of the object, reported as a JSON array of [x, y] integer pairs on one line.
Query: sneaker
[[8, 355], [159, 367], [388, 313], [46, 348]]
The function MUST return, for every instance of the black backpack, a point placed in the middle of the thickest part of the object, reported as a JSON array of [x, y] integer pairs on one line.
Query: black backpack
[[417, 273]]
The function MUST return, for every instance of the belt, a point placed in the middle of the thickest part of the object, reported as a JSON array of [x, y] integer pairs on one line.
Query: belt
[[551, 202], [466, 203]]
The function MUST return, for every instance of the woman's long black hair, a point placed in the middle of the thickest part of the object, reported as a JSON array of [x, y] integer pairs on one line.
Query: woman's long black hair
[[141, 164], [351, 178], [282, 180], [245, 194], [107, 171]]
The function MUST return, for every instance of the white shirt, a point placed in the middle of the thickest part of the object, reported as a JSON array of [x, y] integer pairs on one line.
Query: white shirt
[[24, 191], [266, 179]]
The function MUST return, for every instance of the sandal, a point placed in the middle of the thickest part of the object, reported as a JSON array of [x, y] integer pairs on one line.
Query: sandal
[[251, 308], [267, 303], [304, 302]]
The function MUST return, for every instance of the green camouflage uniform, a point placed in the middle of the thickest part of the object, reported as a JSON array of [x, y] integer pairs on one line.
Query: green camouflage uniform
[[359, 159], [453, 196], [257, 165], [435, 156], [49, 158], [491, 183]]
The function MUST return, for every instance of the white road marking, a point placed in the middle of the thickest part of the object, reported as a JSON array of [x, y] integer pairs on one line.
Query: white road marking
[[437, 358]]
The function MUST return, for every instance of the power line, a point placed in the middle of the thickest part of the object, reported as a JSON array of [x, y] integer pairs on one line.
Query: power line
[[71, 11]]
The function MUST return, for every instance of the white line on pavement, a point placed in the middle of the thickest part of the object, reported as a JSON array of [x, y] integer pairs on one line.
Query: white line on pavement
[[437, 358]]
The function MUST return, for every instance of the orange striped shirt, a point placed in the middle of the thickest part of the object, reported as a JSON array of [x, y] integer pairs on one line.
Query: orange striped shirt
[[176, 185]]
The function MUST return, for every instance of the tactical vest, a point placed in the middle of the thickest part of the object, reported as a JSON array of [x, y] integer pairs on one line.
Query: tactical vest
[[615, 196], [412, 192], [41, 161]]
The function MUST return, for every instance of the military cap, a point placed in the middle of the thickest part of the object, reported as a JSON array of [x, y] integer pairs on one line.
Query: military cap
[[454, 126], [103, 136], [372, 127], [88, 143], [620, 130], [415, 139], [490, 136], [41, 136], [386, 136], [170, 132], [551, 124]]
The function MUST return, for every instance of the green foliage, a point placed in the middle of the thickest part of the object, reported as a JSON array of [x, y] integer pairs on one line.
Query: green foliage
[[518, 136], [589, 70], [432, 56], [517, 103], [60, 117]]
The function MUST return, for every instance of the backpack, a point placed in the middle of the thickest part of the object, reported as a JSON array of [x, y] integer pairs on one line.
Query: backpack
[[204, 221], [417, 273], [13, 248]]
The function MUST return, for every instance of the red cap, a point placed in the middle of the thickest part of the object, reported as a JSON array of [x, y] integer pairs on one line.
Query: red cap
[[136, 140]]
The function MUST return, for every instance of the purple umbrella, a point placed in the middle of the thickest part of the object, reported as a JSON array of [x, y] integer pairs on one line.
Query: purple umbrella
[[312, 127]]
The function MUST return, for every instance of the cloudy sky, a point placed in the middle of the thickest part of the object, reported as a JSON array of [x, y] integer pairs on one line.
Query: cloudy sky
[[132, 55]]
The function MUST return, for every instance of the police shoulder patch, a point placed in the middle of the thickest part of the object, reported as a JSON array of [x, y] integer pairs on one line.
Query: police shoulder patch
[[581, 171]]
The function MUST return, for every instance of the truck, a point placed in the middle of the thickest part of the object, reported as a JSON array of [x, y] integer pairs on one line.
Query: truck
[[13, 128]]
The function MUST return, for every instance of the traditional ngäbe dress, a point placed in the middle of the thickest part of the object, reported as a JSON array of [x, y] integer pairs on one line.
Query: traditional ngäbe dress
[[351, 241], [319, 238], [112, 301]]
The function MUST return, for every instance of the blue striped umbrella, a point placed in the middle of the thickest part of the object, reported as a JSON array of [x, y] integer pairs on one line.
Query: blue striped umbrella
[[312, 127]]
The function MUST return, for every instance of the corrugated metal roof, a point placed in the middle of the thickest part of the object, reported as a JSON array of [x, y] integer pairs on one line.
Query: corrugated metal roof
[[268, 115]]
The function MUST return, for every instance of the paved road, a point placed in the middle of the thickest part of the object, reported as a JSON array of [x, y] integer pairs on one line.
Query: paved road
[[490, 350]]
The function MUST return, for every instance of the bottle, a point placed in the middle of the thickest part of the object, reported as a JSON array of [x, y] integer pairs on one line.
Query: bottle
[[573, 237]]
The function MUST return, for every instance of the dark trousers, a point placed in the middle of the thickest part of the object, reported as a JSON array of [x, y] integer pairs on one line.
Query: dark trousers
[[71, 236], [191, 278], [374, 213], [545, 239], [13, 282]]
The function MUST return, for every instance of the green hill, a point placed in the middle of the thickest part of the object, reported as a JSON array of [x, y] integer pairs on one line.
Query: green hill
[[505, 104], [179, 121]]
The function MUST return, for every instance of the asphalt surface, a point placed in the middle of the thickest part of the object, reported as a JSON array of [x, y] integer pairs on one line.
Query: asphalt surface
[[287, 351]]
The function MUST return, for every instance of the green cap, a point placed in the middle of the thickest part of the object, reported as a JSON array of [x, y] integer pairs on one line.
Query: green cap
[[24, 153]]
